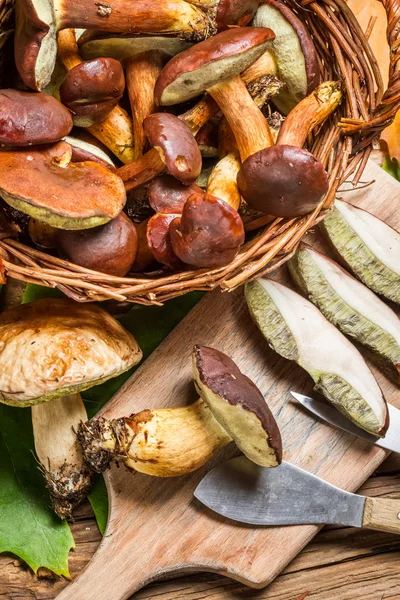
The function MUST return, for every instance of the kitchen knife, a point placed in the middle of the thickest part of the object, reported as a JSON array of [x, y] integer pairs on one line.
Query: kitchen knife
[[329, 414], [287, 495]]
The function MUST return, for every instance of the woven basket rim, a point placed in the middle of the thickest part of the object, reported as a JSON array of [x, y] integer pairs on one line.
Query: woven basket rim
[[343, 145]]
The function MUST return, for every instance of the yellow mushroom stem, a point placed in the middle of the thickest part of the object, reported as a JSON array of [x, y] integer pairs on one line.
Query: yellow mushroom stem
[[116, 131], [166, 442]]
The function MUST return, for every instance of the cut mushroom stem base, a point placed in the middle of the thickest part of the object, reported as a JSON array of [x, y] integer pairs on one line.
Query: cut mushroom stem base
[[68, 478]]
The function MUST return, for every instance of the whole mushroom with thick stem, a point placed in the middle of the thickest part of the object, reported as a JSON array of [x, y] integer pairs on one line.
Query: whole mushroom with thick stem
[[37, 24], [171, 442], [28, 118], [215, 66], [116, 130], [286, 180], [52, 349], [174, 150]]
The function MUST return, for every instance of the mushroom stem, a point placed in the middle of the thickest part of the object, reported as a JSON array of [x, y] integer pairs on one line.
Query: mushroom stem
[[248, 124], [207, 107], [309, 113], [222, 182], [142, 72], [167, 442], [116, 131], [136, 16], [67, 476], [142, 170]]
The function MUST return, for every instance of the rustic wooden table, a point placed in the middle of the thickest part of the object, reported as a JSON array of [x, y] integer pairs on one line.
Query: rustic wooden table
[[339, 564]]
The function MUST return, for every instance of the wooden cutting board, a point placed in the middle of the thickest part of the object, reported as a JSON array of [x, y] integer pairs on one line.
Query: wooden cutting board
[[155, 527]]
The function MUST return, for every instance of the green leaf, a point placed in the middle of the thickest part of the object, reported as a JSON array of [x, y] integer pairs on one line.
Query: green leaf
[[28, 527], [99, 502], [392, 166]]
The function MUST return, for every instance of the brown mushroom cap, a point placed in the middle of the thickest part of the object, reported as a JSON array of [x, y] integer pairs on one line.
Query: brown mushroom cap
[[110, 248], [238, 405], [95, 44], [199, 68], [235, 12], [180, 152], [207, 140], [208, 234], [46, 186], [296, 56], [28, 118], [92, 89], [283, 181], [167, 197]]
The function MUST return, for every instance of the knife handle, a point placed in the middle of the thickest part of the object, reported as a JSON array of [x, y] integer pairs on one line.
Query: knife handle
[[382, 514]]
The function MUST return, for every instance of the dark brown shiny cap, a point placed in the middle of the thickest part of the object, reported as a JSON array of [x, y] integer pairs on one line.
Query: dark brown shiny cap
[[222, 56], [29, 118], [179, 149], [208, 234], [235, 12], [110, 248], [168, 195], [92, 89], [219, 380], [283, 181], [159, 240]]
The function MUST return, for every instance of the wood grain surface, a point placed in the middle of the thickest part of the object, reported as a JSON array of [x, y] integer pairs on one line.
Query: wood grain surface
[[156, 528]]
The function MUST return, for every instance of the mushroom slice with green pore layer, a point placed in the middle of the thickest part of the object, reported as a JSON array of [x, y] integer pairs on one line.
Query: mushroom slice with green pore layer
[[294, 50], [57, 347], [169, 442], [296, 330], [99, 44], [368, 247], [238, 405], [45, 185], [350, 306]]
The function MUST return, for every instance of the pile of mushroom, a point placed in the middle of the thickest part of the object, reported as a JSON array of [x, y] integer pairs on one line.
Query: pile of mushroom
[[143, 140]]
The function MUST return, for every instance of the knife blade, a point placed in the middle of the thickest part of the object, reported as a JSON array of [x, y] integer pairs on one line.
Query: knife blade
[[330, 415], [286, 495]]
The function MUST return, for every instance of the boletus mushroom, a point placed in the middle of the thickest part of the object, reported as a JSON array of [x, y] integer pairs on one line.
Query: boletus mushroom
[[215, 66], [52, 349], [174, 150], [37, 24], [116, 130], [92, 89], [57, 191], [286, 180], [28, 118], [209, 232], [170, 442], [109, 248], [167, 197], [295, 53], [87, 148]]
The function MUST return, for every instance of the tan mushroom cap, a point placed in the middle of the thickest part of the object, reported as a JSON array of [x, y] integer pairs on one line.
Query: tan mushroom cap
[[55, 347], [46, 186], [199, 68]]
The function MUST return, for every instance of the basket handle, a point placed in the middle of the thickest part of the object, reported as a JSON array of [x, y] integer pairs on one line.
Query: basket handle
[[386, 110]]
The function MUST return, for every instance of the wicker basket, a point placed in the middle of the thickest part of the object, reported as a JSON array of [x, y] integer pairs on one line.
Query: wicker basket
[[343, 145]]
